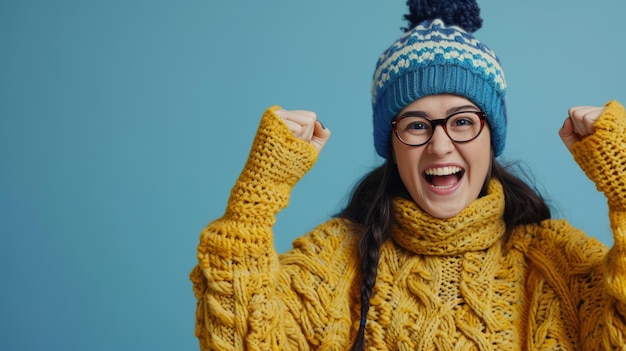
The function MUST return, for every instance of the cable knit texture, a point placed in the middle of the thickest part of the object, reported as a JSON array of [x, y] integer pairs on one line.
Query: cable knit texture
[[453, 284]]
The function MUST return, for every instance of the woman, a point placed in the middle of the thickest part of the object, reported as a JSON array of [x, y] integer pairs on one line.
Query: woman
[[440, 248]]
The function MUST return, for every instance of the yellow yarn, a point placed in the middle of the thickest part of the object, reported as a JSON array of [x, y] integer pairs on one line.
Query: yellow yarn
[[453, 284]]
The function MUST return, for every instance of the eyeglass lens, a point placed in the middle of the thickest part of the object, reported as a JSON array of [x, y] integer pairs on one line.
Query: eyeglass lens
[[460, 127]]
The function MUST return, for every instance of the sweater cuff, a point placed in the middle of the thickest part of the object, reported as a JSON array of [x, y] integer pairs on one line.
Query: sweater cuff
[[602, 155], [277, 161]]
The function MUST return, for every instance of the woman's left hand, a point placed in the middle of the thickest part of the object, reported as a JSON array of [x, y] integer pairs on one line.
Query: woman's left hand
[[579, 124]]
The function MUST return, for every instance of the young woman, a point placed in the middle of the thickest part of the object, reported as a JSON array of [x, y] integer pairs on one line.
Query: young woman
[[440, 248]]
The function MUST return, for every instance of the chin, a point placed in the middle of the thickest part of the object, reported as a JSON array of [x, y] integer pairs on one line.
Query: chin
[[444, 213], [447, 215]]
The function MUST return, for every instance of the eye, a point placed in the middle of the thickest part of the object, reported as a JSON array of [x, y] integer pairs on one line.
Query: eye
[[463, 122], [416, 125], [463, 119]]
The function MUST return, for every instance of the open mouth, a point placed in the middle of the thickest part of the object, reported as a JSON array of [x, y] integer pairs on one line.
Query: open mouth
[[444, 177]]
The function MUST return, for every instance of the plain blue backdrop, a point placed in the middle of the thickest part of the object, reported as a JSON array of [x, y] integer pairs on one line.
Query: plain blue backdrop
[[124, 124]]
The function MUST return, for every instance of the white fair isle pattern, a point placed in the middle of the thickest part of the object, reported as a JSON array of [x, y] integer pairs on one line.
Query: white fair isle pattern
[[437, 42]]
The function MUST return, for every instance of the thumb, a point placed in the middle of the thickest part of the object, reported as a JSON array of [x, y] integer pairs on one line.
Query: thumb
[[321, 134], [568, 134]]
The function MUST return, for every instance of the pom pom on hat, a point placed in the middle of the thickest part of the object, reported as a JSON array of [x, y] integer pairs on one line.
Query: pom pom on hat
[[464, 14], [439, 55]]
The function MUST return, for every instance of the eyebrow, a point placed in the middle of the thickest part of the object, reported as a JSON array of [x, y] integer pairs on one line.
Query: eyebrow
[[419, 113]]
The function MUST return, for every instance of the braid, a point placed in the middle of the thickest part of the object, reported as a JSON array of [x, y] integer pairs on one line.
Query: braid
[[371, 206], [377, 224], [370, 247]]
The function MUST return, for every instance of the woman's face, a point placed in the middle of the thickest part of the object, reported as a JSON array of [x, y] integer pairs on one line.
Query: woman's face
[[442, 176]]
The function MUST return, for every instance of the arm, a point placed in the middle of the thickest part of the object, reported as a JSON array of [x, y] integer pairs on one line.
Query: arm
[[597, 140], [235, 280]]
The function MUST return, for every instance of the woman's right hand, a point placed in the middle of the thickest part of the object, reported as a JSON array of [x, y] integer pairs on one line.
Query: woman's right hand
[[305, 126]]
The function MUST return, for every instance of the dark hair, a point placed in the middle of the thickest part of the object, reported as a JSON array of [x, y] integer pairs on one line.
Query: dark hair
[[371, 206]]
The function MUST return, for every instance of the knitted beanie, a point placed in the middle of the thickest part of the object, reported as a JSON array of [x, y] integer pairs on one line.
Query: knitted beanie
[[438, 55]]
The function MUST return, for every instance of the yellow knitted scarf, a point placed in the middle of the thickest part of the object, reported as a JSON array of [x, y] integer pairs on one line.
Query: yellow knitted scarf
[[458, 292]]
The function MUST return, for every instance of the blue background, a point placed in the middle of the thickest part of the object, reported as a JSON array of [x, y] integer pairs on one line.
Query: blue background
[[123, 125]]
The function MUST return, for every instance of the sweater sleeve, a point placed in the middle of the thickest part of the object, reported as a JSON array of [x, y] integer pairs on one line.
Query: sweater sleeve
[[235, 280], [602, 156]]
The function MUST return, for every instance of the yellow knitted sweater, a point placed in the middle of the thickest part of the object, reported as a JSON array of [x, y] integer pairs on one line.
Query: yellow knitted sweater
[[453, 284]]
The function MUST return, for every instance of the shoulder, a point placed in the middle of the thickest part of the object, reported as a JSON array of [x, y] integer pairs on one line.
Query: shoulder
[[557, 240], [333, 240]]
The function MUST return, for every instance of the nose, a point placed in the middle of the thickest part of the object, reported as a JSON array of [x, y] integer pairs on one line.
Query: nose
[[440, 144]]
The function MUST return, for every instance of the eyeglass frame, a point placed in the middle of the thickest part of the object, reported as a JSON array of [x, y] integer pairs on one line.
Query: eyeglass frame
[[482, 116]]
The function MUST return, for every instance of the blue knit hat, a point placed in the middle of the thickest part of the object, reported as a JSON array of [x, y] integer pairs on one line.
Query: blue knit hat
[[436, 56]]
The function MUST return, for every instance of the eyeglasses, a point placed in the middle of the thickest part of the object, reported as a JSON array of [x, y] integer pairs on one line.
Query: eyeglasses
[[460, 127]]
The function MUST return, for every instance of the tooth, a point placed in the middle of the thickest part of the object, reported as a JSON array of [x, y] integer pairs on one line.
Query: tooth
[[443, 171]]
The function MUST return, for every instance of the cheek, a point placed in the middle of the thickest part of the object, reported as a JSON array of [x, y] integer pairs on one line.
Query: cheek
[[482, 150], [407, 161], [402, 155], [480, 160]]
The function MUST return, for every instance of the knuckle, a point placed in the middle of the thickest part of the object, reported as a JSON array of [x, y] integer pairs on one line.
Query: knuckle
[[309, 115]]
